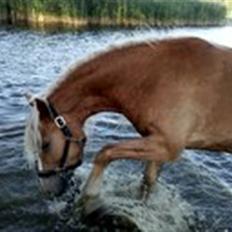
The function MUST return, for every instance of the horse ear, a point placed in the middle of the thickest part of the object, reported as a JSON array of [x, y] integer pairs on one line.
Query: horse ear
[[30, 98], [42, 108]]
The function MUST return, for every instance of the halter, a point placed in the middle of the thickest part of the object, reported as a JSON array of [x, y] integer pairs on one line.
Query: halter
[[62, 125]]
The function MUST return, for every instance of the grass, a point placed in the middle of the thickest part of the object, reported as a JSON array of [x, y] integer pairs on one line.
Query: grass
[[78, 13]]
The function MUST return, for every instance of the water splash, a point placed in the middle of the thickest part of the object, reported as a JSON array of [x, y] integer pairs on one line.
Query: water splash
[[193, 194]]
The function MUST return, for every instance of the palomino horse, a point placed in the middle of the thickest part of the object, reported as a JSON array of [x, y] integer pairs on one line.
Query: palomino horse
[[176, 92]]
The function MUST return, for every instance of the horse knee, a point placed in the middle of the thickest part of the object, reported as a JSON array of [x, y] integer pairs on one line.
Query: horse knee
[[166, 151], [103, 158]]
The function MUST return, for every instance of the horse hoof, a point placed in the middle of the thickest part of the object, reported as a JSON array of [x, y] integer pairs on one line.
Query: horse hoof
[[91, 205]]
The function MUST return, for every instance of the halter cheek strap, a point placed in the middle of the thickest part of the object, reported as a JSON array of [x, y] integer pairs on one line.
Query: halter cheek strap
[[62, 125]]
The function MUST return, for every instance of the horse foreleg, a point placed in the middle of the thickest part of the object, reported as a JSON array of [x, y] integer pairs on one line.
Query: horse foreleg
[[151, 174], [152, 148]]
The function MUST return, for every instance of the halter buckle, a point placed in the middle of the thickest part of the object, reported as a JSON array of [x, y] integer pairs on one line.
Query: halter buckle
[[60, 122]]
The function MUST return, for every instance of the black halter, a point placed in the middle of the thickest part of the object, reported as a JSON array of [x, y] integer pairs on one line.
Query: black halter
[[62, 125]]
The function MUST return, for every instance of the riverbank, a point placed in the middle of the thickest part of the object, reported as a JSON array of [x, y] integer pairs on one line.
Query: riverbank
[[114, 13]]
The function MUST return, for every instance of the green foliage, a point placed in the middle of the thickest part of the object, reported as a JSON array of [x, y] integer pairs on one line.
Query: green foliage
[[121, 12]]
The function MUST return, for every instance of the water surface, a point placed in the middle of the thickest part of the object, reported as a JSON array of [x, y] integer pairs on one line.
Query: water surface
[[193, 194]]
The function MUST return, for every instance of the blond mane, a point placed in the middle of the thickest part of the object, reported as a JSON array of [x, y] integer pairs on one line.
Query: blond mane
[[32, 141]]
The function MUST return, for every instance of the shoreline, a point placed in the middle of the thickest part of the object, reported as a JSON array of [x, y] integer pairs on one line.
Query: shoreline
[[72, 14], [48, 21]]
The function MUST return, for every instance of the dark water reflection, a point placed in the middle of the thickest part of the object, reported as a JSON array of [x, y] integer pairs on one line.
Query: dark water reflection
[[194, 194]]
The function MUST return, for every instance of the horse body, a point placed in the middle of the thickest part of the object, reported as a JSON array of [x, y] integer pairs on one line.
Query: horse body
[[176, 92], [179, 86]]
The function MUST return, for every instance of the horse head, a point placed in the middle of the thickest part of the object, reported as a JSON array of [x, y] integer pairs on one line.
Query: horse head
[[55, 142]]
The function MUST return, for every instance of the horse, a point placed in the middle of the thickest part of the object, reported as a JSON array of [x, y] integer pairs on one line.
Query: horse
[[176, 92]]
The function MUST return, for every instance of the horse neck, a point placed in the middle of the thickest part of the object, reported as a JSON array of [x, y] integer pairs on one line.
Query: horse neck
[[77, 99]]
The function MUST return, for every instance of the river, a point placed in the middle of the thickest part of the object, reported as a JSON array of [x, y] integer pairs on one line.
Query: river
[[193, 194]]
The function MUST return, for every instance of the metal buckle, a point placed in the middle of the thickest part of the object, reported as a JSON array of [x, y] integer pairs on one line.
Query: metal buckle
[[60, 122]]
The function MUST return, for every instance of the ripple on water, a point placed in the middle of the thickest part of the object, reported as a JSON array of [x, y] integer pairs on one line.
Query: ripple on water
[[193, 194]]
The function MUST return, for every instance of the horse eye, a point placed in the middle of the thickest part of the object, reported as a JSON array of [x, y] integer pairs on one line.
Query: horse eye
[[45, 146], [84, 140]]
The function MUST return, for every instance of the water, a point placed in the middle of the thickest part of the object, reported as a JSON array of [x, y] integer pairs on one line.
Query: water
[[193, 194]]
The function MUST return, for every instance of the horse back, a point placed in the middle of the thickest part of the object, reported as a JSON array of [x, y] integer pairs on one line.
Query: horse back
[[181, 86]]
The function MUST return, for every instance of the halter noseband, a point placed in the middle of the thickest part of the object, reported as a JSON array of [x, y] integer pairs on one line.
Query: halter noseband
[[62, 125]]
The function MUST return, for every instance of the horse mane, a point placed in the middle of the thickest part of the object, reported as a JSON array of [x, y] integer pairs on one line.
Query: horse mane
[[32, 138], [89, 64]]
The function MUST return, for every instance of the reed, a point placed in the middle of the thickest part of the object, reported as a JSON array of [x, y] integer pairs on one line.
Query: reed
[[228, 4], [76, 13]]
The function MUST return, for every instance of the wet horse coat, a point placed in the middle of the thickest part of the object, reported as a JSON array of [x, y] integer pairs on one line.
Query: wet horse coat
[[176, 92]]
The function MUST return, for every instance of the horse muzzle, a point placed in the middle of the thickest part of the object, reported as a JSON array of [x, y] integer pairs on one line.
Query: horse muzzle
[[54, 185]]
